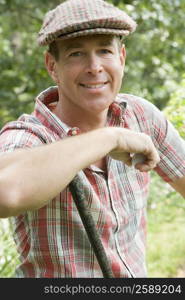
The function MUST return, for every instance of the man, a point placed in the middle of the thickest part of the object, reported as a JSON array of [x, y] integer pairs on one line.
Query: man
[[83, 126]]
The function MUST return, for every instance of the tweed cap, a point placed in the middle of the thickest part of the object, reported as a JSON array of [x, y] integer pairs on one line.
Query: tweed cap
[[74, 18]]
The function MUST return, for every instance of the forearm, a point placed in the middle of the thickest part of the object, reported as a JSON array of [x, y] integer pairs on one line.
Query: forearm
[[30, 178]]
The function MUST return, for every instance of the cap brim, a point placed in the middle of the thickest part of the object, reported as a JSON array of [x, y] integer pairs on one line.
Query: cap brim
[[86, 32], [94, 31]]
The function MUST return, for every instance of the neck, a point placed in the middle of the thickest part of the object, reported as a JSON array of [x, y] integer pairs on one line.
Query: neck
[[85, 121]]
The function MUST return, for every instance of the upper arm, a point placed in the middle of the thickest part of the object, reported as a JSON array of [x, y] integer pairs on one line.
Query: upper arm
[[179, 185]]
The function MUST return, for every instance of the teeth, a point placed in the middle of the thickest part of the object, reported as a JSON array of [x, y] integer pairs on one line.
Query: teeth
[[93, 86]]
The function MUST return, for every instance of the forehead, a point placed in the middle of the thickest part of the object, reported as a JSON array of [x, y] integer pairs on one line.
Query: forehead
[[79, 42]]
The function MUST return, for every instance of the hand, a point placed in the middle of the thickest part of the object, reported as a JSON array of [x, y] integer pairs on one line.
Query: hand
[[136, 149]]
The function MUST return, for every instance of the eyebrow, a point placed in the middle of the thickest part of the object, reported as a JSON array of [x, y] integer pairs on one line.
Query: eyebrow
[[73, 46], [107, 42], [77, 45]]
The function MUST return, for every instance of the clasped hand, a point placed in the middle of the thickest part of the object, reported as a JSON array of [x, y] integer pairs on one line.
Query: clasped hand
[[135, 148]]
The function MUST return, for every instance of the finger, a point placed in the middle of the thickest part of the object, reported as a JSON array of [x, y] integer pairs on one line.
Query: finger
[[144, 167], [144, 163], [138, 158], [147, 165]]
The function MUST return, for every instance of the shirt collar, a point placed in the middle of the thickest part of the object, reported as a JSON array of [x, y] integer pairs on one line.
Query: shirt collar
[[49, 97]]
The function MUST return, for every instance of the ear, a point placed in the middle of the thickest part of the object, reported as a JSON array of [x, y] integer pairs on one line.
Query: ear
[[51, 66], [123, 55]]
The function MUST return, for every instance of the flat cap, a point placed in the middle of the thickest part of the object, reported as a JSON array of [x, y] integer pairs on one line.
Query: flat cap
[[74, 18]]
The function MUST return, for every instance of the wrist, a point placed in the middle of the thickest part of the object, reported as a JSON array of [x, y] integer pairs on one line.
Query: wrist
[[113, 136]]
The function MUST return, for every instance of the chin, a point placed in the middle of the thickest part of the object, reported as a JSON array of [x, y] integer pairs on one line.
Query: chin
[[100, 105]]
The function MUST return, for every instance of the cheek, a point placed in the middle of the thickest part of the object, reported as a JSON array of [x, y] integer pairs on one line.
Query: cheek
[[117, 77], [68, 74], [117, 72], [115, 66]]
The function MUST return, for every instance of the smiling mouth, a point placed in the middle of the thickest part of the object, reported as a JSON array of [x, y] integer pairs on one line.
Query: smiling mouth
[[94, 85]]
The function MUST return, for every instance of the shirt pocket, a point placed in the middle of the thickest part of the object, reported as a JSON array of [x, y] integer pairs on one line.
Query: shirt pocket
[[132, 188]]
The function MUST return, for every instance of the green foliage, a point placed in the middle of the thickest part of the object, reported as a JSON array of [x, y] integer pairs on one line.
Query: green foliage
[[175, 111], [155, 55], [166, 229], [22, 66], [8, 253]]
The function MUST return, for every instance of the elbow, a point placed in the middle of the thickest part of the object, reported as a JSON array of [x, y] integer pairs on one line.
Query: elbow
[[9, 199], [4, 212], [7, 205]]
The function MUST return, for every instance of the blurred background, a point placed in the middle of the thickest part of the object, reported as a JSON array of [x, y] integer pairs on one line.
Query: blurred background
[[154, 70]]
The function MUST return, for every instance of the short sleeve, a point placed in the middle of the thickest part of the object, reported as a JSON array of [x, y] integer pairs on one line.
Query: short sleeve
[[13, 139], [170, 146], [145, 117]]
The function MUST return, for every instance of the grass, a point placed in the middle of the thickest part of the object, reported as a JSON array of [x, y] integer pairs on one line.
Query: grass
[[166, 235]]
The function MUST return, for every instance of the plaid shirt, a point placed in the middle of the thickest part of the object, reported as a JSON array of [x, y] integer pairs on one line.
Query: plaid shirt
[[52, 241]]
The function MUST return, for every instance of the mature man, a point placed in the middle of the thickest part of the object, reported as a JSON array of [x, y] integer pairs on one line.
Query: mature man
[[82, 125]]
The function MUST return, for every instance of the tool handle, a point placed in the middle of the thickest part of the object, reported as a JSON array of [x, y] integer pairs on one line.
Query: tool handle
[[77, 192]]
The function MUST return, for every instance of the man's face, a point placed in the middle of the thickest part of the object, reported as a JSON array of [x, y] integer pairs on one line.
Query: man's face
[[89, 72]]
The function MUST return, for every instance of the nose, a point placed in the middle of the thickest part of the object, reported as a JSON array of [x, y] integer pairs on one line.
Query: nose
[[94, 64]]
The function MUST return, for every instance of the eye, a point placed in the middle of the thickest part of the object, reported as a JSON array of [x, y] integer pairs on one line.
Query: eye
[[76, 54], [105, 51]]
